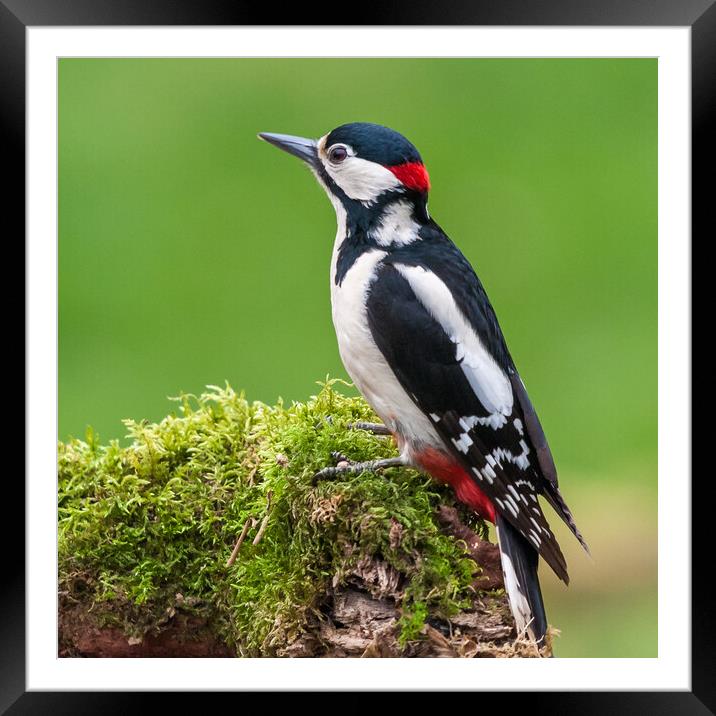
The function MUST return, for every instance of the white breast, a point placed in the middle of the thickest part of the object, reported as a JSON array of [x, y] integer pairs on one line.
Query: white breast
[[363, 360]]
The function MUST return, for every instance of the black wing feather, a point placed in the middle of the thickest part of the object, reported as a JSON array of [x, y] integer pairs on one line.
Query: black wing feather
[[438, 254], [544, 458], [423, 358]]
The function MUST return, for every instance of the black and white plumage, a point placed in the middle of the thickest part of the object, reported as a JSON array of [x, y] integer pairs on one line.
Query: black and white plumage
[[420, 339]]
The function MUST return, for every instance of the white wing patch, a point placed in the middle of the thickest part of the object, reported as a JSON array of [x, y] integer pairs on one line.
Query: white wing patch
[[487, 379], [501, 455], [494, 420], [463, 443]]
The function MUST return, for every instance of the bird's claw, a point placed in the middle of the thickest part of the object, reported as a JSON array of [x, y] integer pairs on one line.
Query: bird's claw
[[339, 457], [342, 462], [345, 466], [375, 428]]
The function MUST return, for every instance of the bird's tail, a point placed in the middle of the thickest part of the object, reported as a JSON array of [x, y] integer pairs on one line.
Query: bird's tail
[[519, 567]]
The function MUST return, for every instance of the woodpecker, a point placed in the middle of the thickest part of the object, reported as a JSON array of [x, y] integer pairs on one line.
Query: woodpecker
[[421, 342]]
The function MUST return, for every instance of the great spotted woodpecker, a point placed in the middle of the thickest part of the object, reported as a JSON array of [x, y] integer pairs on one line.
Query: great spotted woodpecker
[[419, 338]]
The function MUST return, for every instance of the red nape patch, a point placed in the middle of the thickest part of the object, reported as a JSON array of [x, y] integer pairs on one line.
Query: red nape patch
[[444, 468], [414, 175]]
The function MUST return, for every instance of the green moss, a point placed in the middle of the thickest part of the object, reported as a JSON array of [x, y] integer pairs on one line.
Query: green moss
[[139, 525]]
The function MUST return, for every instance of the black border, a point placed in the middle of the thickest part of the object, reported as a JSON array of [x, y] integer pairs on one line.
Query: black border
[[700, 15]]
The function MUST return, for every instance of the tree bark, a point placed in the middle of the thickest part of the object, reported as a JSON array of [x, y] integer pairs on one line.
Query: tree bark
[[357, 619]]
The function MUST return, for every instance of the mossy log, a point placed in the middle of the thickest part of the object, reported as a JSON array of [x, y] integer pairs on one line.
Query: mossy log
[[208, 535]]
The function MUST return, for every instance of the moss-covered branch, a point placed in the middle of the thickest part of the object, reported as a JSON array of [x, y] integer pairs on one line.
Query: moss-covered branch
[[374, 564]]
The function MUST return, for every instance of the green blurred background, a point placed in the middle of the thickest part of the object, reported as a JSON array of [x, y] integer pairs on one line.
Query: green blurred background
[[191, 253]]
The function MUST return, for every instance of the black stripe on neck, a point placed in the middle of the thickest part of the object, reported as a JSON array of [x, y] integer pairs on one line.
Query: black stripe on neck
[[362, 220]]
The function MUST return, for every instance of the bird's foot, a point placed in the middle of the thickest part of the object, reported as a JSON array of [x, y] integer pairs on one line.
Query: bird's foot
[[344, 466], [375, 428]]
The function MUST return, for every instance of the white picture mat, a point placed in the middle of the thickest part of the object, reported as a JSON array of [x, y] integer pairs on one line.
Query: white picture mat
[[671, 670]]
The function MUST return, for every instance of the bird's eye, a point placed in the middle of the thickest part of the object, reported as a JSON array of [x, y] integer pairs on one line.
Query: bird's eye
[[337, 154]]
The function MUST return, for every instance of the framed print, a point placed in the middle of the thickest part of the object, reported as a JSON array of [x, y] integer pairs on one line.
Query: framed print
[[168, 250]]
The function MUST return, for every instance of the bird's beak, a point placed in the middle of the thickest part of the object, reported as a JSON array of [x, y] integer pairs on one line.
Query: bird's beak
[[298, 146]]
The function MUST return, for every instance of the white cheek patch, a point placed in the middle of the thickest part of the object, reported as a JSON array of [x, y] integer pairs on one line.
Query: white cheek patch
[[362, 180]]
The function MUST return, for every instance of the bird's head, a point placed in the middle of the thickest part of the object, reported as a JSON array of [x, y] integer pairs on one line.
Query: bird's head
[[361, 164]]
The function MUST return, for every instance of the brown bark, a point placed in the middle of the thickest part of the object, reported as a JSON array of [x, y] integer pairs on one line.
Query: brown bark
[[358, 619]]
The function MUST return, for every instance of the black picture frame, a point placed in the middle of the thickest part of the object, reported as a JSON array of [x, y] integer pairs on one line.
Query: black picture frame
[[699, 15]]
